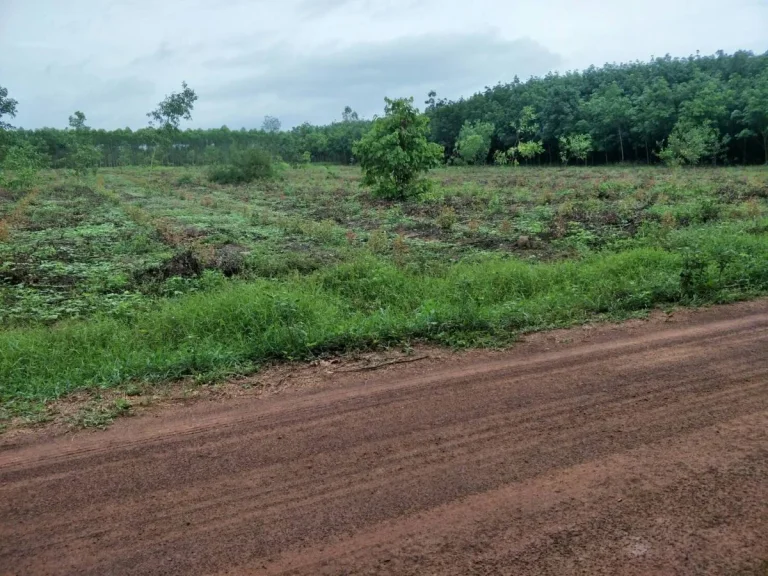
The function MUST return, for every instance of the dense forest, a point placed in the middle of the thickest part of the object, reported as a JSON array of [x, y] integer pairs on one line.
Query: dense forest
[[700, 109]]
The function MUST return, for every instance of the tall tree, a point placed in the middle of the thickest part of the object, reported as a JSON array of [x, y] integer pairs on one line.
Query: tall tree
[[7, 107], [173, 109], [271, 124], [653, 115], [77, 121], [610, 112], [168, 115], [349, 115], [756, 110]]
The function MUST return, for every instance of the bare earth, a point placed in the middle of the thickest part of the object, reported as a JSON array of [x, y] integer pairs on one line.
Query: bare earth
[[633, 449]]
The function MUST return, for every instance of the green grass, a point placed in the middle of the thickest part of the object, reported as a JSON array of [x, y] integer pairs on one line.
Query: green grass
[[323, 268]]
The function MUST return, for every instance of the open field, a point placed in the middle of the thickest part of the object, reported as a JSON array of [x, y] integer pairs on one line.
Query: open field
[[135, 276], [632, 449]]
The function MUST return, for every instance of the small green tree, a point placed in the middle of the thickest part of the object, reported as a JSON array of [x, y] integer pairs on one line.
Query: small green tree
[[508, 158], [474, 142], [529, 150], [395, 153], [689, 143], [575, 146], [20, 166], [526, 126], [7, 108], [82, 156], [168, 115]]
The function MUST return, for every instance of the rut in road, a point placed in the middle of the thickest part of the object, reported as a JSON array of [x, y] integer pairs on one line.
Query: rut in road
[[636, 451]]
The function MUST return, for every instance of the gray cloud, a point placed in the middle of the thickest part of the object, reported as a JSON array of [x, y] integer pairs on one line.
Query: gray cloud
[[313, 9], [317, 86], [307, 59]]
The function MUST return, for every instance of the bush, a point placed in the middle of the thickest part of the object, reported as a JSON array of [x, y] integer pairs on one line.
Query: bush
[[474, 142], [246, 166], [395, 152], [20, 167]]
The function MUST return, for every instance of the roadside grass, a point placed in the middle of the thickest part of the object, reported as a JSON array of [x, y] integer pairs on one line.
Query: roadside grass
[[365, 304], [136, 277]]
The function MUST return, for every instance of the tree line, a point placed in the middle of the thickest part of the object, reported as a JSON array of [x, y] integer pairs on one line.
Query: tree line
[[700, 109], [679, 110]]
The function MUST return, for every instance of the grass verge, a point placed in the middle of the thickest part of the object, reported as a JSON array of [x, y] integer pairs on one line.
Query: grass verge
[[368, 303]]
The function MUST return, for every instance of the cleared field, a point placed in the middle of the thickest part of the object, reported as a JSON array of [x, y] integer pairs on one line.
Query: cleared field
[[135, 276]]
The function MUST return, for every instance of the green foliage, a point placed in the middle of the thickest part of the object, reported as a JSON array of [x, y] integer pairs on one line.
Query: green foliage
[[474, 142], [756, 109], [82, 156], [526, 126], [630, 110], [7, 108], [167, 116], [174, 108], [529, 150], [575, 146], [610, 112], [447, 218], [395, 153], [77, 121], [150, 275], [246, 166], [626, 108], [364, 303], [20, 166], [688, 144]]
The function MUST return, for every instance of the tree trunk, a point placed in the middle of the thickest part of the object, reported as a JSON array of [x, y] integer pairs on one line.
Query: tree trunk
[[647, 154], [765, 145], [621, 144]]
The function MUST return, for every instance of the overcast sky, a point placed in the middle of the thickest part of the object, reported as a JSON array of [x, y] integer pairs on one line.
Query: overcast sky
[[304, 60]]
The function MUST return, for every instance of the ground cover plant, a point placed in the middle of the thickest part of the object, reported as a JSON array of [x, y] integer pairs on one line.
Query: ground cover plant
[[136, 275]]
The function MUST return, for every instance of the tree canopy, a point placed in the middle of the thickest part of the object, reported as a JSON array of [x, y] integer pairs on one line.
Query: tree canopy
[[712, 108]]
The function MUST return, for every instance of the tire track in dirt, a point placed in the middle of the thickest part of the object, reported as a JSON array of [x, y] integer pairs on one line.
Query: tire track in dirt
[[641, 451]]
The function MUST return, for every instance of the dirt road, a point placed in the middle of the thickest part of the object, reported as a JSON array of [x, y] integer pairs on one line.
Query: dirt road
[[640, 449]]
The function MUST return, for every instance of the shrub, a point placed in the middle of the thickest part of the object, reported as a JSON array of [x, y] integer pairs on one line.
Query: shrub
[[474, 142], [395, 152], [447, 218], [688, 144], [246, 166], [20, 167]]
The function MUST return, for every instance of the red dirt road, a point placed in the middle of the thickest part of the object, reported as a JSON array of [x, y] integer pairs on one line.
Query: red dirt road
[[640, 449]]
